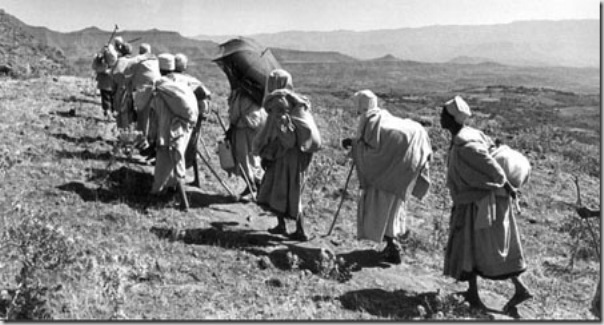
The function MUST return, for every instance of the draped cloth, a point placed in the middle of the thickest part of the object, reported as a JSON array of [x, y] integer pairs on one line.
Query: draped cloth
[[392, 157], [483, 235], [287, 142], [170, 133], [122, 88], [248, 119]]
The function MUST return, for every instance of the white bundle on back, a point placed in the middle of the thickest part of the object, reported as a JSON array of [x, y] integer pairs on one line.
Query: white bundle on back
[[179, 98], [516, 166]]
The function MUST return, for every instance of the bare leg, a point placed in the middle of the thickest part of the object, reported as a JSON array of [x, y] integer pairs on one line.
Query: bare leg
[[197, 181], [521, 294], [184, 203]]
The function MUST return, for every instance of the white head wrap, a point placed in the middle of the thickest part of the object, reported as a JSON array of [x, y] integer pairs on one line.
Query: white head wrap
[[365, 100], [180, 61], [166, 62], [459, 109], [279, 79]]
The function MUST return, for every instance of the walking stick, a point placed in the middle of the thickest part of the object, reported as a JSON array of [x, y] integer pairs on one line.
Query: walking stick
[[217, 176], [335, 217], [112, 34], [241, 170], [580, 204]]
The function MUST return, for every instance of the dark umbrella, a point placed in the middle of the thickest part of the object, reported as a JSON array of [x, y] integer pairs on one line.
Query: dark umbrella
[[247, 65]]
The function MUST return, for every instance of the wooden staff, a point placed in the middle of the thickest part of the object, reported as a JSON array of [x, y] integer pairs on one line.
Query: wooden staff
[[579, 204], [112, 34], [335, 217], [217, 176]]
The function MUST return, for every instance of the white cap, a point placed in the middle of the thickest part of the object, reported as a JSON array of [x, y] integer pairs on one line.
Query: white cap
[[166, 62], [180, 62]]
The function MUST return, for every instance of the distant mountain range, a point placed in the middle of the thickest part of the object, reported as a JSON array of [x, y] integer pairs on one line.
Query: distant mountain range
[[536, 43], [572, 43], [78, 47]]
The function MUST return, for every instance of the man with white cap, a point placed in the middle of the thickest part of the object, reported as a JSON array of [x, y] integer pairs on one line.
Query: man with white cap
[[167, 129], [203, 95], [392, 157], [483, 235]]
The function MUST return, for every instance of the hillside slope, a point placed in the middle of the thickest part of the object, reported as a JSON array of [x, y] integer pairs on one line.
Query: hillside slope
[[25, 53], [134, 256]]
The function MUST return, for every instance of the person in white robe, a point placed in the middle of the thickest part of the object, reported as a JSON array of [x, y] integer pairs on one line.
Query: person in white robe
[[392, 156]]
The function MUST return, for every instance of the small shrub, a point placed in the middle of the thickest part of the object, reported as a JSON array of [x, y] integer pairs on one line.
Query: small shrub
[[41, 251]]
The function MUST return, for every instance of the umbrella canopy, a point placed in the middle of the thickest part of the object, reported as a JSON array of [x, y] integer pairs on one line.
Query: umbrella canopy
[[247, 65]]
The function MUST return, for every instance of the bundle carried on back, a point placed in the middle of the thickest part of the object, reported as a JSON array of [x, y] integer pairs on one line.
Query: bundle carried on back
[[390, 145], [516, 166], [145, 71], [179, 98], [247, 66]]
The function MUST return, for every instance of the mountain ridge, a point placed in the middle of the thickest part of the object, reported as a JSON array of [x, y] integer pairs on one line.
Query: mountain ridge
[[572, 43]]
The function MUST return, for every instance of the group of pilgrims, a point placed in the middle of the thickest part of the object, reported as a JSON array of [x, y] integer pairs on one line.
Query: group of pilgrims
[[274, 144]]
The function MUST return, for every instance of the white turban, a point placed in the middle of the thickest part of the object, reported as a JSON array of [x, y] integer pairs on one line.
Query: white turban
[[166, 62], [459, 109], [279, 79], [365, 100], [180, 61]]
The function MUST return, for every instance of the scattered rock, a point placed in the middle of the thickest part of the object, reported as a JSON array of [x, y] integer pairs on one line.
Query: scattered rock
[[161, 264], [264, 263], [273, 282]]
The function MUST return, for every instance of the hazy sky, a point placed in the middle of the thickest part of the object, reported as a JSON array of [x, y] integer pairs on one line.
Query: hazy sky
[[241, 17]]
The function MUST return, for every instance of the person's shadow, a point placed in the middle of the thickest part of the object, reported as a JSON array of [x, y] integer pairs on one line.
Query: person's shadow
[[404, 305], [124, 185], [85, 139], [219, 234]]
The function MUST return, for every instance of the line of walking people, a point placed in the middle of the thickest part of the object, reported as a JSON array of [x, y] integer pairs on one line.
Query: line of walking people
[[275, 142]]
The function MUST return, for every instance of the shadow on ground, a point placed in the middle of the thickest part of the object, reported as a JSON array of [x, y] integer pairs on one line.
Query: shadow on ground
[[217, 235], [122, 185], [404, 305], [75, 114], [86, 155], [202, 200], [368, 258], [68, 138]]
